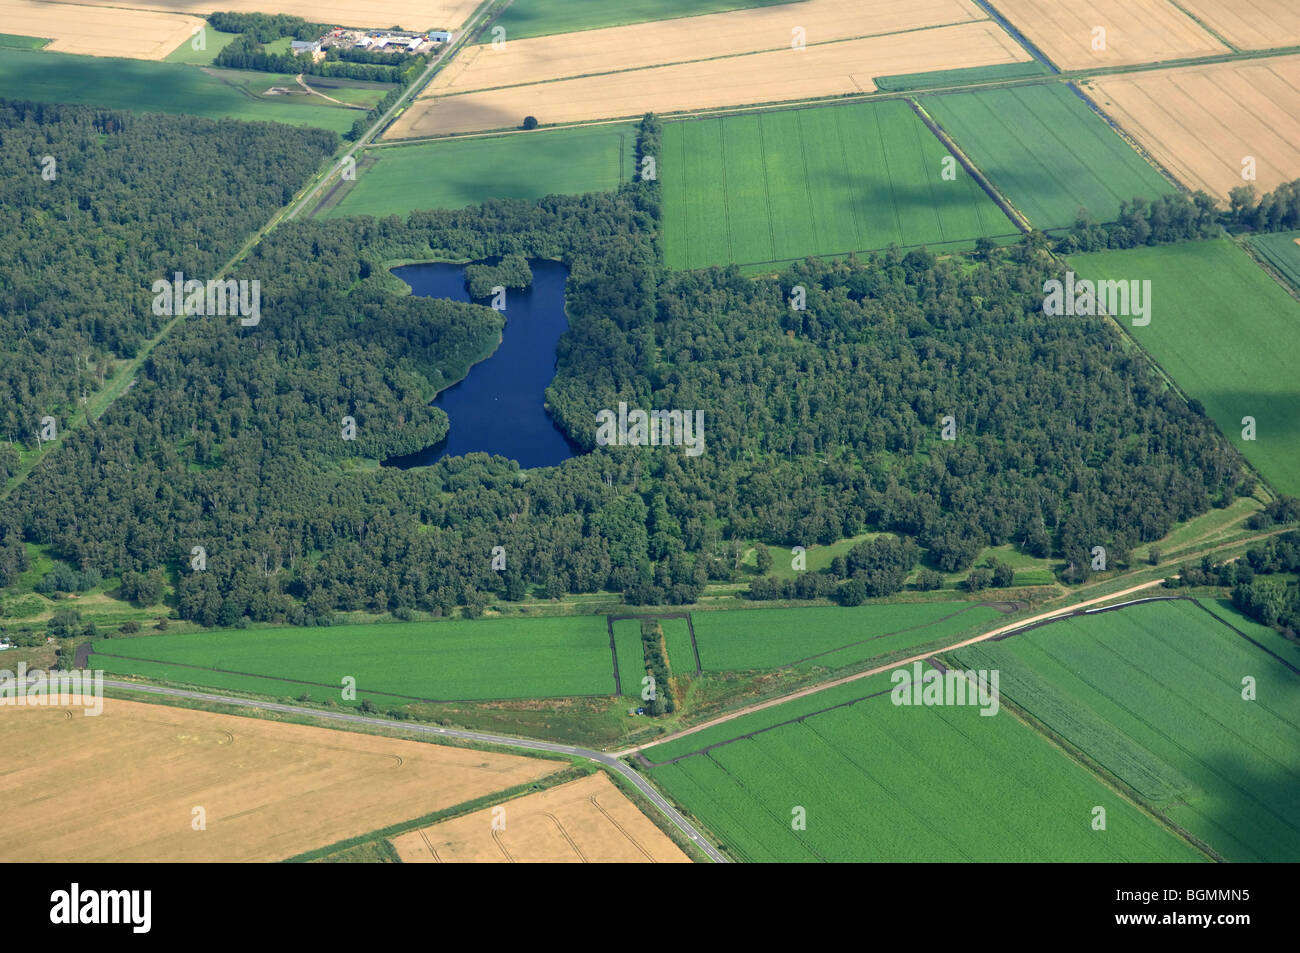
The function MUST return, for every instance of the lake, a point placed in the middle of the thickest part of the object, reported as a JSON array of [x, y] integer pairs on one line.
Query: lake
[[500, 405]]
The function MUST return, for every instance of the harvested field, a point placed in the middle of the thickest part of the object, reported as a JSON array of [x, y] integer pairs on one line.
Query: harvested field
[[409, 14], [1258, 25], [74, 28], [270, 790], [1137, 31], [584, 821], [838, 68], [696, 38], [1200, 122]]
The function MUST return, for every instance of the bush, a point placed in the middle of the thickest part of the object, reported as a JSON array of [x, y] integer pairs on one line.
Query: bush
[[929, 580], [979, 579], [129, 627]]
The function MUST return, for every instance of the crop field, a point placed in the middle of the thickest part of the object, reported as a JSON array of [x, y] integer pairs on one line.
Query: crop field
[[881, 782], [269, 790], [1047, 152], [1282, 251], [678, 646], [97, 31], [1218, 323], [778, 75], [748, 189], [408, 14], [1136, 31], [958, 77], [826, 636], [1259, 25], [585, 821], [453, 660], [214, 41], [699, 38], [1154, 694], [462, 172], [1202, 122], [156, 87], [631, 656], [529, 18], [14, 41]]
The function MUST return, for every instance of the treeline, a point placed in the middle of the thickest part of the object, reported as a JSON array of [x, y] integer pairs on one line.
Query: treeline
[[98, 205], [247, 52], [267, 27], [1272, 602], [873, 568], [653, 648], [1178, 217], [820, 424]]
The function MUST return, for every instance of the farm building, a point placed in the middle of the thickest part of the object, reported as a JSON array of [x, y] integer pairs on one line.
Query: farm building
[[305, 46], [440, 36]]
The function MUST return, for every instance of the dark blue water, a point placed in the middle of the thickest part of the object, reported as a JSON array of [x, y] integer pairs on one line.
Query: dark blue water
[[500, 406]]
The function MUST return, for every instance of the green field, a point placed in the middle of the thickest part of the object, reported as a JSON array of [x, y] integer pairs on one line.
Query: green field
[[1046, 151], [826, 636], [214, 42], [960, 77], [453, 660], [631, 656], [396, 180], [1225, 332], [881, 782], [1280, 251], [820, 181], [1153, 693], [146, 86], [14, 41], [677, 643], [525, 18]]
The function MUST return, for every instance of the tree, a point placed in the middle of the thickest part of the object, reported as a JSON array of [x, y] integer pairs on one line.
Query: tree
[[1002, 574], [530, 122], [979, 579], [852, 592], [762, 558]]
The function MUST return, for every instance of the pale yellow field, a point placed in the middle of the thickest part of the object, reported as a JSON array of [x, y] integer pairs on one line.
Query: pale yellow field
[[122, 786], [848, 66], [1137, 31], [75, 28], [1201, 121], [409, 14], [642, 45], [1256, 25], [584, 821]]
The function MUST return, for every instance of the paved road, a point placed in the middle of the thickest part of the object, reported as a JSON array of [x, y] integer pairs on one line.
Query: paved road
[[606, 760]]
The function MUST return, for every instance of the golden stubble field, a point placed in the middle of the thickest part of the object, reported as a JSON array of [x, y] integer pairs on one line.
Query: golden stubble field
[[583, 821], [123, 786], [1137, 31], [409, 14], [94, 30], [1200, 122], [839, 68], [1256, 25], [644, 45]]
